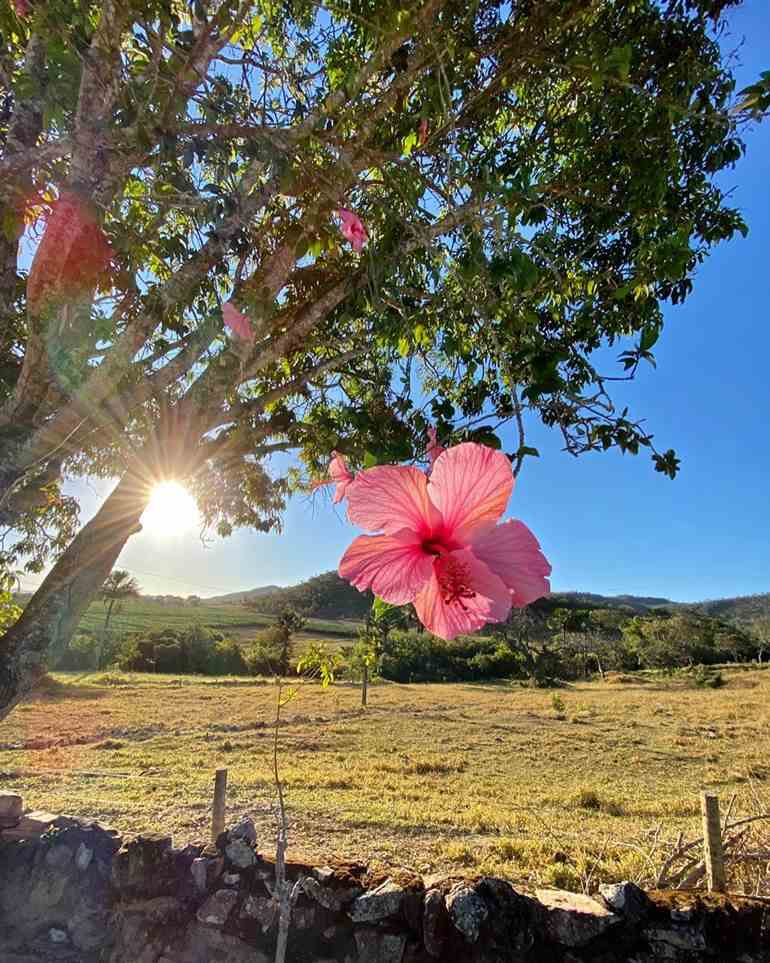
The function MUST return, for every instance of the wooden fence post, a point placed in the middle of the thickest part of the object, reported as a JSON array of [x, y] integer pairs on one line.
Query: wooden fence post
[[713, 855], [218, 809]]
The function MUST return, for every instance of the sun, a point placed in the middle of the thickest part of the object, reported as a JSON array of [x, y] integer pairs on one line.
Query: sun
[[171, 510]]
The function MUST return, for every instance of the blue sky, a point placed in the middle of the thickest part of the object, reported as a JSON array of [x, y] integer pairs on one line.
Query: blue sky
[[608, 523]]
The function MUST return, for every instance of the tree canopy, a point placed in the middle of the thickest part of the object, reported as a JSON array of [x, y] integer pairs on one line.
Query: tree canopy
[[535, 181]]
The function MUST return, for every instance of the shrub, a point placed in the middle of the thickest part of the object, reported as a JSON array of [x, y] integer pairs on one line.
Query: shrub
[[270, 654], [226, 658], [80, 655], [590, 799], [179, 651], [266, 658], [558, 705], [89, 650], [421, 657], [170, 657], [137, 655], [707, 678], [164, 635]]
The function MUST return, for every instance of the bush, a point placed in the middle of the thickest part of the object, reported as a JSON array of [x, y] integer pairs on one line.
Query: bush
[[136, 655], [164, 635], [421, 657], [590, 799], [170, 657], [265, 658], [226, 658], [89, 650], [270, 654], [558, 705], [706, 677], [195, 649]]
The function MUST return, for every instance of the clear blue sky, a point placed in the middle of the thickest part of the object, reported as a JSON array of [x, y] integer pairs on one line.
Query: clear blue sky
[[608, 523]]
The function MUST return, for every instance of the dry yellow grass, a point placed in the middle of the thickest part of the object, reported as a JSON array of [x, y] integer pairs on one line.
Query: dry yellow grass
[[471, 778]]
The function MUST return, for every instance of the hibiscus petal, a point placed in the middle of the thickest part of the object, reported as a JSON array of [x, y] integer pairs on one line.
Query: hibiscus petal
[[393, 566], [512, 552], [470, 484], [341, 490], [237, 322], [487, 600], [352, 228], [73, 256], [390, 498], [434, 448], [341, 475], [338, 468]]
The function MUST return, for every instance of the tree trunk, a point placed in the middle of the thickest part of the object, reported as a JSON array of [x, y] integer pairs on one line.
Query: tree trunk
[[54, 611], [364, 685], [99, 647], [109, 615]]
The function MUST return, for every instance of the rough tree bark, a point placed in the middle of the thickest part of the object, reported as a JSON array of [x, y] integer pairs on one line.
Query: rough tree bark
[[56, 608]]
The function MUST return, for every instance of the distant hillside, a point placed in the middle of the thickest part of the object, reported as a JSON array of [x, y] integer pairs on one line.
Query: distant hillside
[[327, 596], [243, 596], [589, 600], [743, 608]]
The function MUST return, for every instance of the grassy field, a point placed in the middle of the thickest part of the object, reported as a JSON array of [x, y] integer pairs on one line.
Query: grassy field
[[235, 621], [467, 778]]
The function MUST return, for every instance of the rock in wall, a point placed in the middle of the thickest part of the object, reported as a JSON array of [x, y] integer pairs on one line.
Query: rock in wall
[[72, 891]]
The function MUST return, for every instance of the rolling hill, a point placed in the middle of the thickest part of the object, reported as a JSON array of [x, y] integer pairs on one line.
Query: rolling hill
[[239, 597], [327, 596]]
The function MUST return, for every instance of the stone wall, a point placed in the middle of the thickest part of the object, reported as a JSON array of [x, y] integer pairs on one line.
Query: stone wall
[[72, 891]]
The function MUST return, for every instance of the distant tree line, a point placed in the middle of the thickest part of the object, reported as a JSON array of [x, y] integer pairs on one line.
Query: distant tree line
[[543, 644], [195, 649]]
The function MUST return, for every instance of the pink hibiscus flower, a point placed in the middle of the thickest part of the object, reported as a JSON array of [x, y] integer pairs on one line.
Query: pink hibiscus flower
[[434, 449], [73, 257], [339, 475], [352, 228], [238, 323], [441, 547]]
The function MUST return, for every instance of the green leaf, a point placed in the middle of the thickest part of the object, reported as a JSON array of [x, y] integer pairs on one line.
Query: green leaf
[[409, 143], [618, 62], [381, 608], [650, 335], [485, 436]]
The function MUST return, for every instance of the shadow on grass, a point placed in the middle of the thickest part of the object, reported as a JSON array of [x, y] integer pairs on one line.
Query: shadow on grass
[[55, 690], [487, 685]]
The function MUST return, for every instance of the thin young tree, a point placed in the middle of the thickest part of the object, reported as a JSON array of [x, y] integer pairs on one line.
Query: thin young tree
[[118, 586]]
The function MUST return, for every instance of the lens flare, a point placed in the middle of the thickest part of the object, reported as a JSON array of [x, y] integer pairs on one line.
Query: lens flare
[[171, 510]]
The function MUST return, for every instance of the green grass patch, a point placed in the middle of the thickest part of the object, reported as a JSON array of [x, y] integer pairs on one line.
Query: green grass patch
[[147, 615]]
